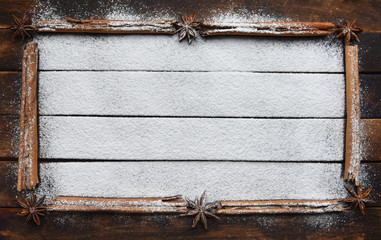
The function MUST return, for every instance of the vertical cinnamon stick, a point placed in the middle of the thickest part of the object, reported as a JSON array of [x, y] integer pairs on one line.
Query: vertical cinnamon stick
[[28, 145], [352, 141]]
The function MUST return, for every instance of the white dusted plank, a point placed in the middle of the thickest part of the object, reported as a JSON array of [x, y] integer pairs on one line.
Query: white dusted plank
[[155, 52], [192, 94], [222, 180], [191, 138]]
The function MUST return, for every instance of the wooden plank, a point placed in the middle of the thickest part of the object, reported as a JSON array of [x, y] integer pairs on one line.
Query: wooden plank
[[10, 52], [370, 52], [371, 139], [222, 180], [53, 174], [164, 53], [297, 10], [9, 138], [370, 93], [350, 225], [28, 147], [10, 92], [191, 94], [370, 89], [191, 139], [352, 133]]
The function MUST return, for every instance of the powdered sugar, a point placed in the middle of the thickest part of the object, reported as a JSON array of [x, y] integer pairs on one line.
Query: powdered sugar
[[222, 180]]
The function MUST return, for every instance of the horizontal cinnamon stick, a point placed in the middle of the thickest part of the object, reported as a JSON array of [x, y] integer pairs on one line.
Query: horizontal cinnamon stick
[[255, 32], [352, 141], [175, 201], [281, 210], [118, 209], [270, 25], [28, 143], [108, 26], [300, 203]]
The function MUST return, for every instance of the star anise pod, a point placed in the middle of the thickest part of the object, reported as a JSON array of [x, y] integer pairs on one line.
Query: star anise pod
[[187, 28], [201, 210], [23, 27], [348, 31], [358, 199], [32, 209]]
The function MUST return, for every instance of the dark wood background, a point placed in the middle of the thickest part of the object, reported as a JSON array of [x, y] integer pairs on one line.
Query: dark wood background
[[347, 225]]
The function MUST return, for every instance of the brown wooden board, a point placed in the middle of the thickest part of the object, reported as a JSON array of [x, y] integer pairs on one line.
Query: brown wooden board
[[370, 52], [366, 11], [10, 94], [372, 139], [57, 225], [370, 84], [349, 225], [8, 172], [10, 52], [9, 125], [370, 93]]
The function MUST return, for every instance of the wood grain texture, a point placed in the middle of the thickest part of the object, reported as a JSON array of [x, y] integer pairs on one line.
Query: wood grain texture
[[203, 139], [10, 51], [111, 226], [191, 94], [8, 191], [350, 225], [9, 136], [371, 139], [365, 11], [370, 93], [370, 52], [10, 93]]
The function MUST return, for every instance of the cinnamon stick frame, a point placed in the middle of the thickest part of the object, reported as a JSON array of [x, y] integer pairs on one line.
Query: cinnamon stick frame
[[28, 154], [174, 205], [295, 29], [352, 140], [28, 145]]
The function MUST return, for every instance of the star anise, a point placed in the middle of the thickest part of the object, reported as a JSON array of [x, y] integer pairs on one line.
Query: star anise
[[348, 31], [32, 209], [23, 27], [358, 199], [201, 210], [187, 28]]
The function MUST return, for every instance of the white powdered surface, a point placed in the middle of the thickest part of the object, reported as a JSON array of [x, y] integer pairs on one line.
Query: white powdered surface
[[192, 94], [191, 138], [164, 53], [221, 180]]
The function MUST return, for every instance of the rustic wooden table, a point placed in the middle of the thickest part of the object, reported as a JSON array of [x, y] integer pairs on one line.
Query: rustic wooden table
[[60, 225]]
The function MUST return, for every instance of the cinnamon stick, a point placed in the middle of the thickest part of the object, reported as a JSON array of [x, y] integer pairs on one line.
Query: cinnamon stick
[[129, 205], [108, 26], [270, 25], [28, 144], [120, 202], [118, 209], [280, 210], [255, 32], [284, 203], [352, 141]]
